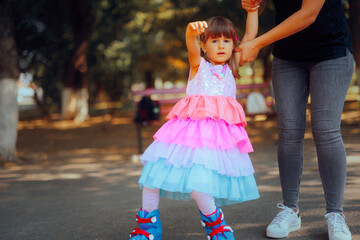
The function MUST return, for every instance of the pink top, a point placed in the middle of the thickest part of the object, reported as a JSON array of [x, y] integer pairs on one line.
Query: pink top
[[206, 83]]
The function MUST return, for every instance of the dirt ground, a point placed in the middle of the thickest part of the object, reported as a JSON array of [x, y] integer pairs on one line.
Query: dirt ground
[[79, 181], [114, 137]]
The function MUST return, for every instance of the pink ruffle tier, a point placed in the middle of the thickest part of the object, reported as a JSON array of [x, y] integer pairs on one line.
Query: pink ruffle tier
[[216, 107], [204, 132]]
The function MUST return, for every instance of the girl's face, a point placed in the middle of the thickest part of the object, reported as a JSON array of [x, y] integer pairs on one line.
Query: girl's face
[[218, 50]]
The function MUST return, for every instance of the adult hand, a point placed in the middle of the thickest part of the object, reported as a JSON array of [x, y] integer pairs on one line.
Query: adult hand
[[250, 5], [248, 52]]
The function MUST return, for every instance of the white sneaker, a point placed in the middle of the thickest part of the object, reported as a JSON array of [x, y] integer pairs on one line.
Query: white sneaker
[[337, 228], [286, 221]]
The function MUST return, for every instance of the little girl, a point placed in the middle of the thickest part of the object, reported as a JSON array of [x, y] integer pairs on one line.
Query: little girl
[[202, 150]]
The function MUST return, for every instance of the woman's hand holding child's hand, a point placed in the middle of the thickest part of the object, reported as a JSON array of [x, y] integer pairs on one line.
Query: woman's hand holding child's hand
[[196, 28], [248, 50]]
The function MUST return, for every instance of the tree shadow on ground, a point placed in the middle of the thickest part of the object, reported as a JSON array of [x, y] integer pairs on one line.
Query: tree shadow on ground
[[85, 186]]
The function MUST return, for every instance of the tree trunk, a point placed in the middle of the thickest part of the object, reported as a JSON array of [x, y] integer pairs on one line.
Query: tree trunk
[[9, 74], [67, 103], [354, 23], [82, 106], [75, 79], [149, 78]]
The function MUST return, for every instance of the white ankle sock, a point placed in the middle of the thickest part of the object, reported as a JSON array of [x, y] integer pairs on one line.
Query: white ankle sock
[[205, 202], [150, 199]]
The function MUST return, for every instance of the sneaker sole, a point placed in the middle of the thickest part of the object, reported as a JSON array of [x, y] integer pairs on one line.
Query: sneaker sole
[[296, 226]]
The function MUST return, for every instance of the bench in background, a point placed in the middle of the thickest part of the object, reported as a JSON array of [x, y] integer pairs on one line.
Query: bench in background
[[166, 98]]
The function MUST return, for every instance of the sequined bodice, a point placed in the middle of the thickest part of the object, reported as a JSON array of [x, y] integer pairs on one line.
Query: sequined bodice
[[206, 83]]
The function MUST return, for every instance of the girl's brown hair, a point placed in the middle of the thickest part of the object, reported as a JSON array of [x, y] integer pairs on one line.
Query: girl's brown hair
[[221, 26]]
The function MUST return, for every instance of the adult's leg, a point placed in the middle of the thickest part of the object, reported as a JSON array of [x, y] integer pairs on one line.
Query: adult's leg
[[291, 88], [329, 83]]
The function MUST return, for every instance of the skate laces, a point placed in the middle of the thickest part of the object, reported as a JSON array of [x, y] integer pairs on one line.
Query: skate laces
[[282, 214], [336, 222]]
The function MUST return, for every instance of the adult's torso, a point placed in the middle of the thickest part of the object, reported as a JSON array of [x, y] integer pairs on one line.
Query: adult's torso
[[326, 38]]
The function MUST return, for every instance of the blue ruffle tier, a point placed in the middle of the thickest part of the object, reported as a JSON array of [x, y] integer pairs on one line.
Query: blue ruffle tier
[[179, 182], [229, 162]]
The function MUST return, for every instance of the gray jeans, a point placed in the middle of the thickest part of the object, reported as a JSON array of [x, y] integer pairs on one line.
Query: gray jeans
[[327, 82]]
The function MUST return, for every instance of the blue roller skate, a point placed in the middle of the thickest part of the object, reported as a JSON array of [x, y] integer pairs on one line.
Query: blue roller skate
[[150, 226], [216, 227]]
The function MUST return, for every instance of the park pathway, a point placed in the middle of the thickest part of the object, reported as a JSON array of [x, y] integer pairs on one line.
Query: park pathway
[[82, 184]]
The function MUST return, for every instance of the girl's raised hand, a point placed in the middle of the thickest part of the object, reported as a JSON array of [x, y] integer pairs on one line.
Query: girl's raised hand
[[196, 28]]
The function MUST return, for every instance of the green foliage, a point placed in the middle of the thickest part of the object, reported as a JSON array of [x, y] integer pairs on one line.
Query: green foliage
[[43, 41], [128, 39]]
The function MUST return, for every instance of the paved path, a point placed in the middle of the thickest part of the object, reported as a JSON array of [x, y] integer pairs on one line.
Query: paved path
[[87, 193]]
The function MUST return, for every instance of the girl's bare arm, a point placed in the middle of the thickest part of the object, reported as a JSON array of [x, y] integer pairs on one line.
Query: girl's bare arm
[[193, 30]]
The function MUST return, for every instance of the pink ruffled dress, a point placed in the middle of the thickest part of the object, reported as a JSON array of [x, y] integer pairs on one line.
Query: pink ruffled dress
[[203, 146]]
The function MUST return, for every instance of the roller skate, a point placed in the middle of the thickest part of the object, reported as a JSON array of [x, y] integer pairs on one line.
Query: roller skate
[[150, 226], [216, 227]]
